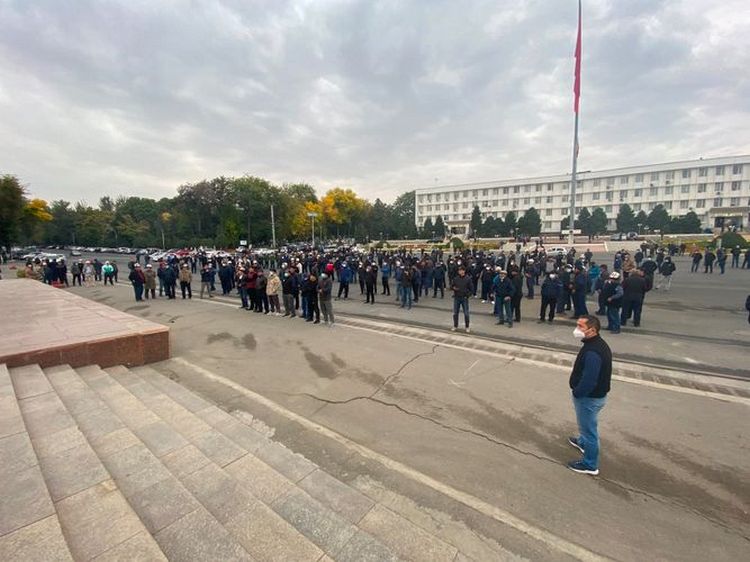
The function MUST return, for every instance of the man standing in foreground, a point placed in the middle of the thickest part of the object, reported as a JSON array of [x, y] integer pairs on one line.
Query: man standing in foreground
[[590, 382], [463, 287]]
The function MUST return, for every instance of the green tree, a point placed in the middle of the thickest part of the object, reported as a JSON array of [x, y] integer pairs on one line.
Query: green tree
[[488, 228], [658, 219], [691, 224], [12, 202], [641, 218], [427, 228], [584, 221], [626, 219], [530, 224], [475, 223], [598, 221], [403, 210], [510, 224], [439, 227]]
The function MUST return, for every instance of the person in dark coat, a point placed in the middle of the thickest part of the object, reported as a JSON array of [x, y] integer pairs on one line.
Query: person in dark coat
[[517, 280], [633, 292], [551, 288], [503, 289], [137, 279]]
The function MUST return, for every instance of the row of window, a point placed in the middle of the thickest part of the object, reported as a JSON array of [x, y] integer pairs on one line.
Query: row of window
[[609, 182], [683, 205], [718, 187]]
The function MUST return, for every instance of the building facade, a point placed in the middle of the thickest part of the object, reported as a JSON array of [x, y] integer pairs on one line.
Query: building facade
[[716, 189]]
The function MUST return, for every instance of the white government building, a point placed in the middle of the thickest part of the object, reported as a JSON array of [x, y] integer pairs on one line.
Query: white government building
[[716, 189]]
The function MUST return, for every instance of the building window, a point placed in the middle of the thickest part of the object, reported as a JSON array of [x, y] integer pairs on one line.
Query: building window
[[623, 194], [737, 169], [639, 178], [624, 180], [515, 203], [466, 194], [667, 204], [516, 189], [700, 203], [537, 200], [653, 191], [549, 199], [702, 172], [736, 186], [654, 176], [701, 188], [608, 209], [474, 194], [595, 196], [548, 212], [505, 191], [526, 188], [637, 207], [505, 202], [495, 191], [596, 182], [494, 203], [719, 186], [608, 196], [527, 200], [550, 187], [684, 204], [484, 193], [670, 175], [538, 188], [564, 198], [465, 205], [637, 193], [668, 190], [651, 206], [719, 170], [685, 174], [446, 207], [579, 196], [718, 202], [734, 202], [684, 189], [566, 185]]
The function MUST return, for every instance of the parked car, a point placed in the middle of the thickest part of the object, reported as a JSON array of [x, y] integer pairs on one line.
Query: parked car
[[557, 251]]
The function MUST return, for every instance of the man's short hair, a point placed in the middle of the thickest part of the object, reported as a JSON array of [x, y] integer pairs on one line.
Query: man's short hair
[[592, 322]]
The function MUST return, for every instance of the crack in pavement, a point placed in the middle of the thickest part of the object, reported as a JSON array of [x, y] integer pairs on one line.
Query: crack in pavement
[[494, 441]]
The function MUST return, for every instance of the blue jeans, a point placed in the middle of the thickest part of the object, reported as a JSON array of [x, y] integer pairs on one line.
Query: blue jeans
[[305, 306], [613, 318], [243, 296], [503, 310], [587, 411], [405, 293], [459, 303]]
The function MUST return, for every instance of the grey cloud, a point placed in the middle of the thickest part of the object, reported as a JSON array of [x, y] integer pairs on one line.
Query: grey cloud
[[137, 97]]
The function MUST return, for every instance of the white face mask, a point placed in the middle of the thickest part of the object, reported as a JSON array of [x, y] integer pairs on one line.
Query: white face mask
[[578, 333]]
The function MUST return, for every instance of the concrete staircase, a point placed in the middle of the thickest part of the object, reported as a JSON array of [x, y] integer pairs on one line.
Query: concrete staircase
[[126, 464]]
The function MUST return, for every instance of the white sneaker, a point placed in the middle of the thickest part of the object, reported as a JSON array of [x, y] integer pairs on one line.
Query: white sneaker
[[453, 329], [484, 302], [467, 330]]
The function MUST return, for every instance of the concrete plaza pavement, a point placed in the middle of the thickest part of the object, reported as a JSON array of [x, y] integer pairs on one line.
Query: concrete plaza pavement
[[483, 431]]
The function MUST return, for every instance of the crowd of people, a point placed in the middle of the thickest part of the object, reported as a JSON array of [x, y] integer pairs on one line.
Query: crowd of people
[[301, 283]]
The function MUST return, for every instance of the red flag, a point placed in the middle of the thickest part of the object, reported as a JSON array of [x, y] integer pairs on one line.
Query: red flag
[[577, 84]]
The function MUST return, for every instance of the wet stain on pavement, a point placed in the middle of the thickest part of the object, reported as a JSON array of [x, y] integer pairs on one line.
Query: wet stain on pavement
[[222, 336], [322, 367], [249, 342], [136, 307], [338, 361]]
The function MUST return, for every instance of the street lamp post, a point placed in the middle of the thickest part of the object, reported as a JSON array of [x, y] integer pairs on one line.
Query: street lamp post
[[312, 215], [273, 229]]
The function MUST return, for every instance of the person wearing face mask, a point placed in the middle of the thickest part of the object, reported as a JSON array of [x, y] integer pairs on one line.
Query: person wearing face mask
[[325, 288], [589, 383]]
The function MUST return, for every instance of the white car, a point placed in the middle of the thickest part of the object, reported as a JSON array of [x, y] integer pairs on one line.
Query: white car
[[557, 251]]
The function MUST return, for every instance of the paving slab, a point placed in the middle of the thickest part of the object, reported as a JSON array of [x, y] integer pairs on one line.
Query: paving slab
[[72, 470], [160, 438], [221, 494], [138, 548], [217, 447], [114, 441], [364, 548], [293, 466], [185, 461], [266, 536], [198, 536], [163, 503], [11, 421], [42, 541], [405, 538], [96, 520], [135, 469], [319, 524], [258, 478], [44, 414], [25, 499], [244, 435], [29, 381], [347, 502], [16, 453]]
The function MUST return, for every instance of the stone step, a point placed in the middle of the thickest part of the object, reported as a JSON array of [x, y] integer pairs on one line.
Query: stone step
[[312, 497], [295, 518], [29, 525], [183, 528], [94, 517]]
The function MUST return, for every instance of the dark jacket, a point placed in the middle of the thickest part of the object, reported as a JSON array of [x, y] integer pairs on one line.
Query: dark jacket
[[462, 286], [634, 288], [592, 370], [551, 288], [503, 287]]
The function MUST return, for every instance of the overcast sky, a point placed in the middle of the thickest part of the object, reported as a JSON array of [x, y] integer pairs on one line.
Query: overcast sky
[[138, 96]]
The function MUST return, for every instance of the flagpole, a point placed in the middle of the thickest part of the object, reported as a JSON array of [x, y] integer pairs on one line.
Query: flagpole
[[577, 92]]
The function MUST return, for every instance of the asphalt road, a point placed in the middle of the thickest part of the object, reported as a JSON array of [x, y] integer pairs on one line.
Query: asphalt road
[[488, 428]]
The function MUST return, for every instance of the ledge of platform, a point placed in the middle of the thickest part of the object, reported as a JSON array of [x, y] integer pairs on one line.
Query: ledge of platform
[[49, 326]]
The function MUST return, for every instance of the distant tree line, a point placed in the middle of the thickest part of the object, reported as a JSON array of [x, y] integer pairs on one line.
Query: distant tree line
[[217, 212]]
